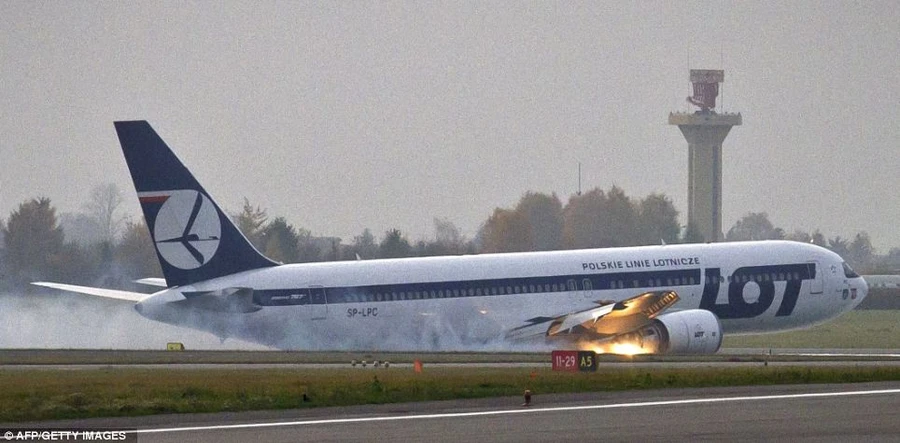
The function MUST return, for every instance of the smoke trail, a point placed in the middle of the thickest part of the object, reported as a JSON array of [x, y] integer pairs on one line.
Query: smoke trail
[[75, 321]]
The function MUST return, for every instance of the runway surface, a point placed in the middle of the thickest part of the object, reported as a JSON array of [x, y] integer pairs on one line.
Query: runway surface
[[847, 412]]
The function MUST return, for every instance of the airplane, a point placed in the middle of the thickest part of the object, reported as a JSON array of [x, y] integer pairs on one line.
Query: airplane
[[675, 299], [882, 281]]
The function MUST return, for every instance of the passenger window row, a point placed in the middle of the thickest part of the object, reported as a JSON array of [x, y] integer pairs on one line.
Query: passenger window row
[[461, 292], [762, 277], [653, 282], [509, 287]]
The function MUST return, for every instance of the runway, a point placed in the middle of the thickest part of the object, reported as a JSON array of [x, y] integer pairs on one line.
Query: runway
[[803, 412], [795, 412]]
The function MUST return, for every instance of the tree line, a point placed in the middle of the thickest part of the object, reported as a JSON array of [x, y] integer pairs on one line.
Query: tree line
[[100, 246]]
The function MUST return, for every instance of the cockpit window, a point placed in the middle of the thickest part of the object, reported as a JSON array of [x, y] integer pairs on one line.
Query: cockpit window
[[848, 272]]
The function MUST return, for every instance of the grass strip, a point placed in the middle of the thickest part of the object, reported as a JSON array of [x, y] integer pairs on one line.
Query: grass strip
[[31, 395], [853, 330]]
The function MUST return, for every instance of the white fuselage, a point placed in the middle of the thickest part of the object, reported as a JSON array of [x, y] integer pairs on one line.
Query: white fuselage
[[471, 302]]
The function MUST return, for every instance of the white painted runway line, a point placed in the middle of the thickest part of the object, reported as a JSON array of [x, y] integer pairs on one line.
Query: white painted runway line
[[519, 411], [838, 354]]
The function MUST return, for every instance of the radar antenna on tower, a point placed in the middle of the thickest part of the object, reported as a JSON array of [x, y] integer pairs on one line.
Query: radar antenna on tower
[[706, 88]]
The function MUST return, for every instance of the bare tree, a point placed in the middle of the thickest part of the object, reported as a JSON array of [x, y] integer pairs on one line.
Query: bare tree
[[447, 239], [862, 254], [364, 246], [136, 253], [103, 206]]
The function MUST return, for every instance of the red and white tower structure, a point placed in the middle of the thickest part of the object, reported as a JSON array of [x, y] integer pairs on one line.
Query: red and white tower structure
[[705, 130]]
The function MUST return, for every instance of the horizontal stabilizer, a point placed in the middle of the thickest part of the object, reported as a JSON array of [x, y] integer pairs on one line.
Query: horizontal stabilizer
[[99, 292], [153, 281]]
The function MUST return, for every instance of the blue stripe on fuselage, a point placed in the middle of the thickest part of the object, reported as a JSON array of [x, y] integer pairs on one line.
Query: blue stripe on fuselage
[[532, 285], [477, 288]]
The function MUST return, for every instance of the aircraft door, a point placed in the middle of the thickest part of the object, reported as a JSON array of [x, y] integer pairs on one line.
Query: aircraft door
[[572, 286], [318, 303], [817, 285], [587, 288]]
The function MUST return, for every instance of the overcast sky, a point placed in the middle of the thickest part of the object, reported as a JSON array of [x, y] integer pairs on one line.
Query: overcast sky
[[346, 115]]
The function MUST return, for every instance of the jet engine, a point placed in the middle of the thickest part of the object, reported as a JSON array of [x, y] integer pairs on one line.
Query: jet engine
[[693, 331]]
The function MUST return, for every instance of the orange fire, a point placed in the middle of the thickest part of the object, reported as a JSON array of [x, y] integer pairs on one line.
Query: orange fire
[[620, 348]]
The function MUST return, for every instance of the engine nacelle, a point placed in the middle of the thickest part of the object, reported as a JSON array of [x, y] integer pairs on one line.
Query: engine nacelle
[[694, 331]]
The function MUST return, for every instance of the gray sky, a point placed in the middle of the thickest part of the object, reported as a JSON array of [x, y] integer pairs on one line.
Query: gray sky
[[346, 115]]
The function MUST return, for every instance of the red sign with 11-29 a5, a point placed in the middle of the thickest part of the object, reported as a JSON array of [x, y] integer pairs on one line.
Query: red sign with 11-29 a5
[[574, 361]]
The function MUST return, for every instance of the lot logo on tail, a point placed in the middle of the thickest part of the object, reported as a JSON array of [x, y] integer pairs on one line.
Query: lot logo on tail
[[187, 229]]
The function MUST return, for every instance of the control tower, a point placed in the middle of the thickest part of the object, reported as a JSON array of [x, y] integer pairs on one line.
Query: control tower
[[705, 130]]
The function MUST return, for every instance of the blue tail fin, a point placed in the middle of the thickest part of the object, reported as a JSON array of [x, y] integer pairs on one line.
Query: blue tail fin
[[194, 239]]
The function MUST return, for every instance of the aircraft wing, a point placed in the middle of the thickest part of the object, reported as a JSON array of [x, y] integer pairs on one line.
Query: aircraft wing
[[610, 318], [99, 292]]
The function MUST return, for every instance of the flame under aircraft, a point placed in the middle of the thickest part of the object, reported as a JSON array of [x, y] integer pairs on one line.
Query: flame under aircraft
[[651, 299]]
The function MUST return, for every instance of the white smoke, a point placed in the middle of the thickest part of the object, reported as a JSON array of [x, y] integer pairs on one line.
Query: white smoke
[[75, 321], [61, 320]]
